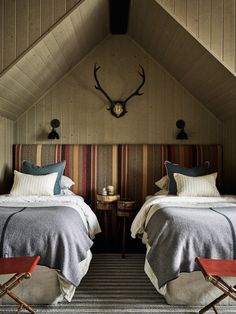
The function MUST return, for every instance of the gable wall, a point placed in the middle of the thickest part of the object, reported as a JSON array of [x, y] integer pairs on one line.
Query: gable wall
[[210, 25], [82, 110]]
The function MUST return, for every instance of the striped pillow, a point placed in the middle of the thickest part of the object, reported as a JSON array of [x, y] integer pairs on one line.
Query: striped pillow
[[196, 186], [172, 168], [30, 168], [27, 184]]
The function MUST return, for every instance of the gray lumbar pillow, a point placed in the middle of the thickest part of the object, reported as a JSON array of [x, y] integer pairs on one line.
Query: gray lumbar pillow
[[172, 168], [30, 168]]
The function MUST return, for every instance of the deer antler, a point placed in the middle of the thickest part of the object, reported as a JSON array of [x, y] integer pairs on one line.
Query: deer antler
[[136, 92], [98, 86], [118, 107]]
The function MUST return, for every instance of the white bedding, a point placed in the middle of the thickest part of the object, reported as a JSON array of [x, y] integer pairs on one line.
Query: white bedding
[[154, 203], [74, 201], [188, 288], [57, 287]]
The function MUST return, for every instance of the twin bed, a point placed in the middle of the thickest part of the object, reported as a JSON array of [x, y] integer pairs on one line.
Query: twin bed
[[42, 216], [187, 218], [58, 228], [175, 231], [132, 170]]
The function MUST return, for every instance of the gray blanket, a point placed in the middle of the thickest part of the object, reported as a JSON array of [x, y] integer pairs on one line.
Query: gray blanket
[[178, 235], [57, 234]]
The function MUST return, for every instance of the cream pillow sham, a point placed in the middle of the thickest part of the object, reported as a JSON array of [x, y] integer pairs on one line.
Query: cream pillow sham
[[27, 184], [196, 186], [163, 183]]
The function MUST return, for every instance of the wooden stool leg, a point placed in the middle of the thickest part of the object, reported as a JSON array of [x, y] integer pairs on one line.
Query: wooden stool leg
[[212, 304], [10, 284], [208, 307], [19, 308], [19, 301]]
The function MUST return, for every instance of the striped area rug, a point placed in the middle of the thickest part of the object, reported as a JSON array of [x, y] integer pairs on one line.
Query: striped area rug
[[116, 285]]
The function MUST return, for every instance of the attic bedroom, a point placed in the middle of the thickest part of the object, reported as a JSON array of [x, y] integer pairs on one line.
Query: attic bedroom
[[117, 167]]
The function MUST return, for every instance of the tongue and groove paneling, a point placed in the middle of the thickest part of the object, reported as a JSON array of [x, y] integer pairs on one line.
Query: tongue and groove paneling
[[24, 82]]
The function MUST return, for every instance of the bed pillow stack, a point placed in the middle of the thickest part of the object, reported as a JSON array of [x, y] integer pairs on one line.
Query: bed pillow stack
[[162, 184], [183, 181], [66, 184], [196, 186], [172, 168], [35, 170], [27, 184]]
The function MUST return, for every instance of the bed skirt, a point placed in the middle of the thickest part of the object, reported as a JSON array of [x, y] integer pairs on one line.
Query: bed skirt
[[45, 286], [189, 288]]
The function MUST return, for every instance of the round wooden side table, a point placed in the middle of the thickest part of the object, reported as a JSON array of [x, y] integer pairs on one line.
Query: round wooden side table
[[125, 210], [105, 209]]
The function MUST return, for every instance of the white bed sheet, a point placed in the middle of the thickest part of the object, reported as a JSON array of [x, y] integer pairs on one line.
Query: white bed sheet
[[188, 288], [47, 286]]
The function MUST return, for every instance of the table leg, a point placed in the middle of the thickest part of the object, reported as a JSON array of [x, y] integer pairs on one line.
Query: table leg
[[123, 237], [106, 228]]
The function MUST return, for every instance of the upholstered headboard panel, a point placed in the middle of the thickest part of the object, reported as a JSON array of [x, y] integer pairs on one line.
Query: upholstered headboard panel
[[131, 169]]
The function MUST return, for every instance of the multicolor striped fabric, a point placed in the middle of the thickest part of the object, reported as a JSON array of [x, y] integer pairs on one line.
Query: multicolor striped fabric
[[131, 168]]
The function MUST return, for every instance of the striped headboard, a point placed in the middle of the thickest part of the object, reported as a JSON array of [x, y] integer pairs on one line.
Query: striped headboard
[[131, 168]]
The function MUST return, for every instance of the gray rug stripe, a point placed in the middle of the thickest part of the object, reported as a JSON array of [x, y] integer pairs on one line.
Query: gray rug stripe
[[116, 285]]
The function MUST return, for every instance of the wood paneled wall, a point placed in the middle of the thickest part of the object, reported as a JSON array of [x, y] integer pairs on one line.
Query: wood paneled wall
[[212, 22], [51, 58], [24, 21], [184, 57], [6, 142], [82, 110]]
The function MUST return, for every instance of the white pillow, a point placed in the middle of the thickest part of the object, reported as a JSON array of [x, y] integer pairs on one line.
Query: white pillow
[[67, 192], [66, 182], [196, 186], [163, 183], [27, 184]]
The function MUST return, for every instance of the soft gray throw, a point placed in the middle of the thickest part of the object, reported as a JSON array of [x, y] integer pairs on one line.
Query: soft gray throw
[[178, 235], [57, 234]]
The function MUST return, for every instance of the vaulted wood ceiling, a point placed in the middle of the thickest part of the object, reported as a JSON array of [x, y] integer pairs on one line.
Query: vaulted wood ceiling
[[150, 26], [52, 57], [184, 57]]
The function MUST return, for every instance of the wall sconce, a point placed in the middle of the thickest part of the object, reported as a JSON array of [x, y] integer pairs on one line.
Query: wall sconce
[[55, 123], [182, 135]]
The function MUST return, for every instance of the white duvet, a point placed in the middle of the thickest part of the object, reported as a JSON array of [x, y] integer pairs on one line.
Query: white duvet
[[74, 201], [154, 203]]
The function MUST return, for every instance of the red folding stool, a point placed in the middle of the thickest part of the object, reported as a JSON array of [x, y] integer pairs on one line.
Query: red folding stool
[[22, 268], [212, 269]]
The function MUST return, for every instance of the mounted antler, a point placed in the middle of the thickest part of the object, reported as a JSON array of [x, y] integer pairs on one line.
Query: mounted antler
[[98, 86], [118, 107], [136, 92]]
